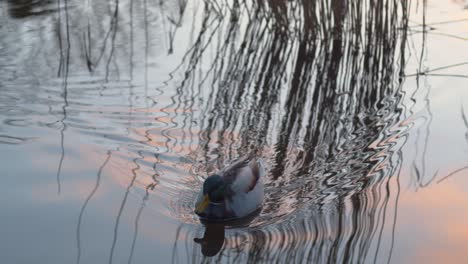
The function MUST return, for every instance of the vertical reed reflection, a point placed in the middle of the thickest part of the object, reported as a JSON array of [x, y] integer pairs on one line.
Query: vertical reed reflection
[[113, 29], [85, 204], [315, 86], [64, 64], [421, 177], [137, 222], [122, 206]]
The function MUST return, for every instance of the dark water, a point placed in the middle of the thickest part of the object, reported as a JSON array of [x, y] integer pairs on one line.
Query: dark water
[[113, 112]]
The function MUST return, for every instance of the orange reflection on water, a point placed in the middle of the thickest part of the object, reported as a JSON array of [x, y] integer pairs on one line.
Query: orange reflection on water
[[432, 223], [164, 110]]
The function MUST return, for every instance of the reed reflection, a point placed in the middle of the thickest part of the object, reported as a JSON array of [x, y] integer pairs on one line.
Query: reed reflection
[[64, 64], [26, 8], [316, 88], [85, 204]]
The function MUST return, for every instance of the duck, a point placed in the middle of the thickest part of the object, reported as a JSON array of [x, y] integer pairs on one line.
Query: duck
[[232, 193]]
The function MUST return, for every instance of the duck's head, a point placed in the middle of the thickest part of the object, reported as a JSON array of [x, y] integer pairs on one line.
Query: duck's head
[[214, 189]]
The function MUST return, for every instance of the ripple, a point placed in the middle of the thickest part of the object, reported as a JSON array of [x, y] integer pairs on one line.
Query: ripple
[[12, 140]]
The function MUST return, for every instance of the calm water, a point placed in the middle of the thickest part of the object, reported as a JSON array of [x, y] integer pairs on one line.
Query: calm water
[[113, 112]]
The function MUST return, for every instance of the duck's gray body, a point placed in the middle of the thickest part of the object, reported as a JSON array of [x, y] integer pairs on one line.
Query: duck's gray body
[[245, 193]]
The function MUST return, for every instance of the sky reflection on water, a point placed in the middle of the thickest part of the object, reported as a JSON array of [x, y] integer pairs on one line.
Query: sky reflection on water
[[113, 112]]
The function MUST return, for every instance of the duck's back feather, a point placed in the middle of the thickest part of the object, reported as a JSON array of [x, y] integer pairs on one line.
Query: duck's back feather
[[242, 175], [248, 188]]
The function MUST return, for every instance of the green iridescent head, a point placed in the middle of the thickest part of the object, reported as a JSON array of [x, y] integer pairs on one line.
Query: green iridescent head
[[215, 188]]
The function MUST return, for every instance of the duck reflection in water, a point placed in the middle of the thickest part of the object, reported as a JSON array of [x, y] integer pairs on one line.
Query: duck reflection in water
[[213, 238]]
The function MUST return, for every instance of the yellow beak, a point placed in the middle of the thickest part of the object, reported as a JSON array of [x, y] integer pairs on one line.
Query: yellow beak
[[203, 205]]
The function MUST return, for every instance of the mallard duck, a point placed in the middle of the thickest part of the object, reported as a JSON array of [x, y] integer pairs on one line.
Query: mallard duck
[[234, 192]]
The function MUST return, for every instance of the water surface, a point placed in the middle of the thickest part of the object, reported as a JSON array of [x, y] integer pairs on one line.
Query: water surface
[[113, 112]]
